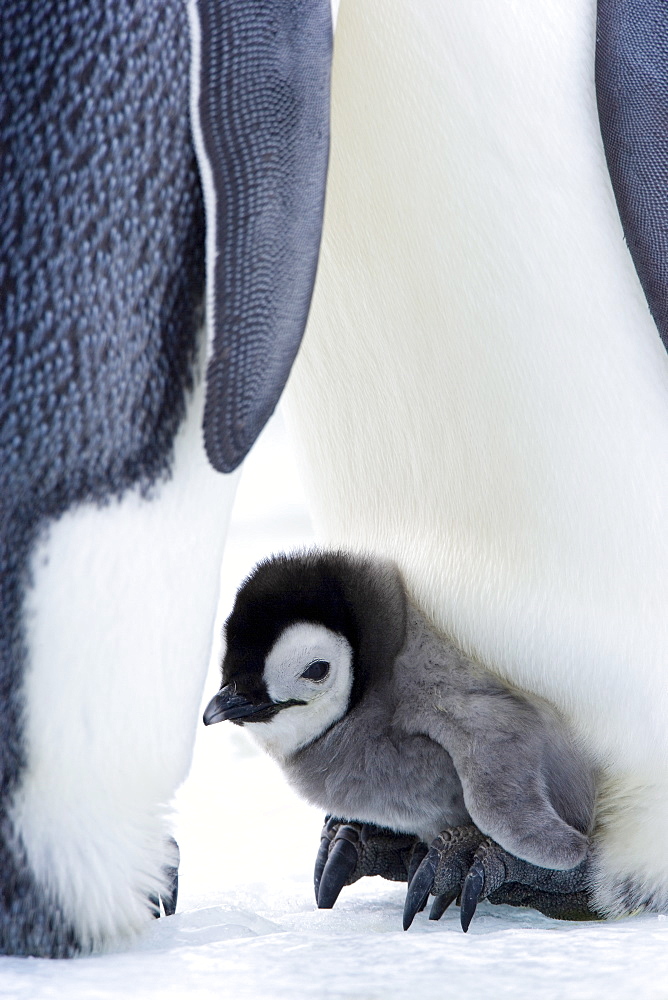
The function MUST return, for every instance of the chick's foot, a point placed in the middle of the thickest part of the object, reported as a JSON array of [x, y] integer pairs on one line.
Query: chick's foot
[[349, 851], [463, 863]]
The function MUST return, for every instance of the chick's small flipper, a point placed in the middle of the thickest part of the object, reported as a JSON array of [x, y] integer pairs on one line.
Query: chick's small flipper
[[349, 851], [463, 862], [525, 780]]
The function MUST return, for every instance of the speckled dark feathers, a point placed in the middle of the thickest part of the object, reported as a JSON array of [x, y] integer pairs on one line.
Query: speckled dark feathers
[[102, 245]]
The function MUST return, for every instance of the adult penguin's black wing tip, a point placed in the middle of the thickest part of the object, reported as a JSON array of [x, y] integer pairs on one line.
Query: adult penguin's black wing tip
[[632, 96], [260, 108]]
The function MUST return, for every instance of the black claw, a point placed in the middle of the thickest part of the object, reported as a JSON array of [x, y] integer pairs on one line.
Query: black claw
[[441, 903], [473, 886], [170, 896], [326, 836], [420, 887], [340, 864], [320, 862], [154, 905], [419, 853]]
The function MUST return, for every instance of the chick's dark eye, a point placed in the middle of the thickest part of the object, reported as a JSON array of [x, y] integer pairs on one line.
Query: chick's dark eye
[[316, 671]]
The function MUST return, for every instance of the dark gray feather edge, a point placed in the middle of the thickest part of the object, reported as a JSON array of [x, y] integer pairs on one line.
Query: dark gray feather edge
[[263, 116], [632, 95]]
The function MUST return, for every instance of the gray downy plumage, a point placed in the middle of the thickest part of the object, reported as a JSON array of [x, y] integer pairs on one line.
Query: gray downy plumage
[[419, 737]]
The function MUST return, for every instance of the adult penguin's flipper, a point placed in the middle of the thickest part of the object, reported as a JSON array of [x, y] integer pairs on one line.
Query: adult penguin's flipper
[[260, 106], [632, 94]]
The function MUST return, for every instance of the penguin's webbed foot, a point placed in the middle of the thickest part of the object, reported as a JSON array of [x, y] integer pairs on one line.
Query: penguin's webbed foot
[[462, 862], [349, 851]]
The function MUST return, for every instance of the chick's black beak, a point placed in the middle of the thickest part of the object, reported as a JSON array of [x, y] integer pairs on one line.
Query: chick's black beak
[[227, 704]]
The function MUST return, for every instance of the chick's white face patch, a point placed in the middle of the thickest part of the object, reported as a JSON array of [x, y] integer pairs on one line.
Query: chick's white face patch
[[299, 647]]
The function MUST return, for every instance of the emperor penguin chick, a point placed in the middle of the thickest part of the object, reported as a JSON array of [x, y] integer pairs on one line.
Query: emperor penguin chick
[[377, 719]]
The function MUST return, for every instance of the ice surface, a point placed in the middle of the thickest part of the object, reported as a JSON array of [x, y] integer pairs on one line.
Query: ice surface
[[247, 926]]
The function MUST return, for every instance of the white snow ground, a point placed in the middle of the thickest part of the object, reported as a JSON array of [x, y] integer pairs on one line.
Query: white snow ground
[[247, 925]]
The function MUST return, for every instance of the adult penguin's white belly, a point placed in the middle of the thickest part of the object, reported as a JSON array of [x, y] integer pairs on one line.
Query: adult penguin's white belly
[[483, 394], [118, 631]]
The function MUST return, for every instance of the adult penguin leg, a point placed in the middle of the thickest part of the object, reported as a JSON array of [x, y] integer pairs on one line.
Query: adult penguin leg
[[112, 518], [106, 496]]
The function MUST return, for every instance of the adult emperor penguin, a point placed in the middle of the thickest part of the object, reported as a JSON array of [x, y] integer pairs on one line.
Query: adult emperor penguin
[[482, 394], [113, 513]]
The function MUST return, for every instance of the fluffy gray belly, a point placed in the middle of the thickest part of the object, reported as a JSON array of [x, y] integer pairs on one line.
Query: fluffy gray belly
[[406, 783]]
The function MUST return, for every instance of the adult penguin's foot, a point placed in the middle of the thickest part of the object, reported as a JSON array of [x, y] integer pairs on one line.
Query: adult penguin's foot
[[349, 851], [463, 863], [170, 894]]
